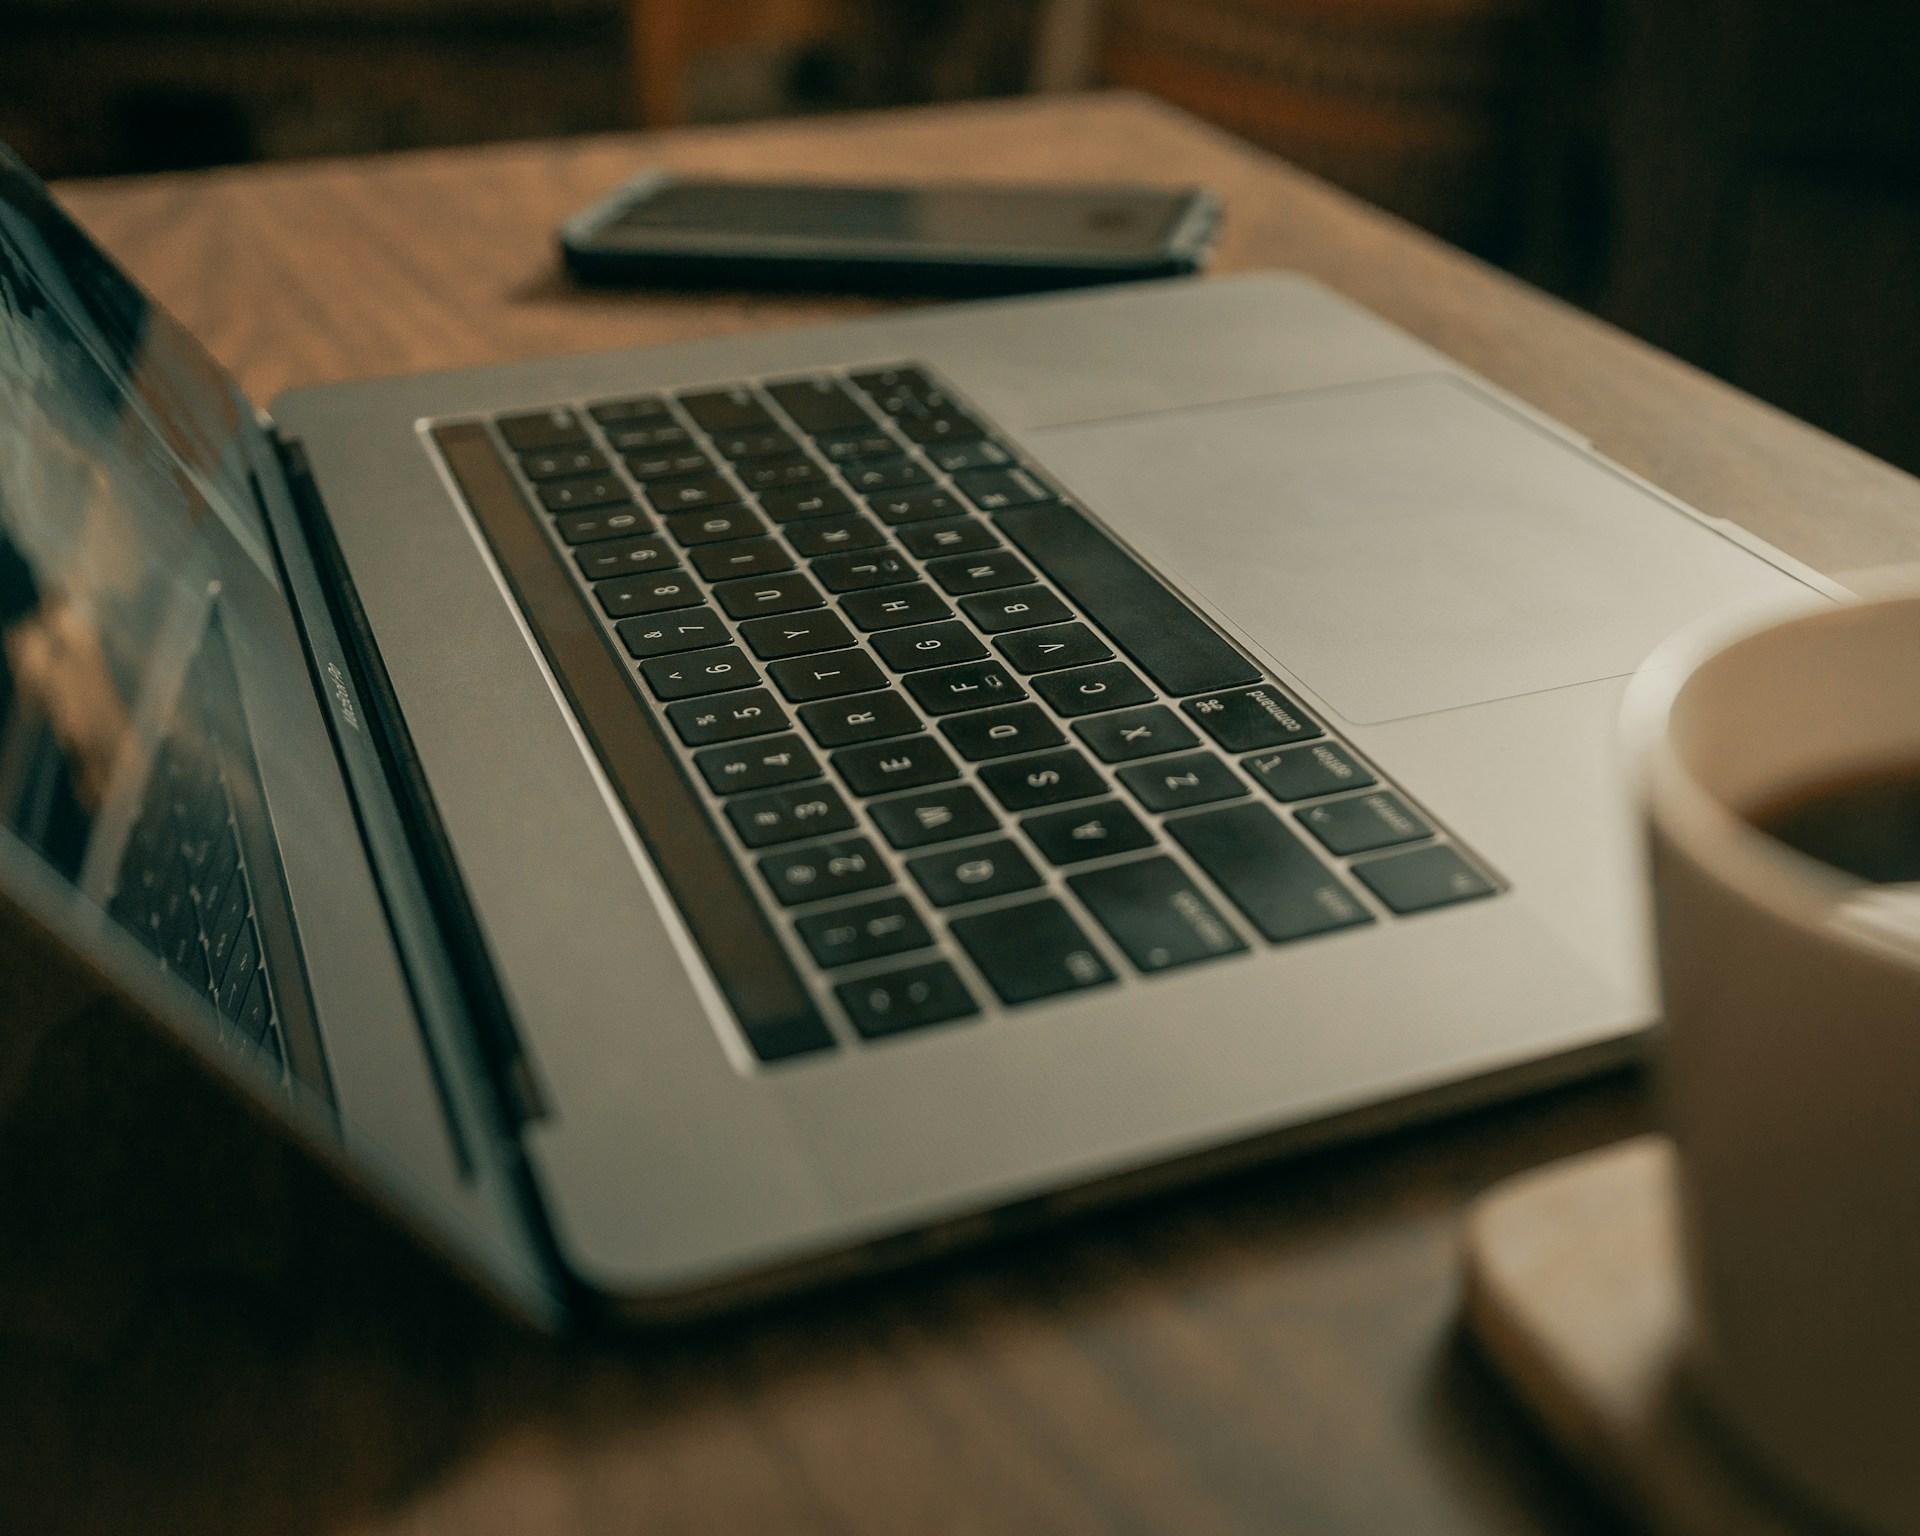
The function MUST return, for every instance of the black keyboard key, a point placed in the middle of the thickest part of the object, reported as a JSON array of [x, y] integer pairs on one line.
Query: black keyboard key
[[899, 388], [728, 717], [1423, 878], [796, 634], [1156, 914], [912, 998], [1365, 822], [1300, 773], [1267, 872], [180, 927], [744, 557], [954, 457], [834, 535], [917, 505], [715, 525], [606, 523], [734, 409], [256, 1013], [781, 474], [668, 464], [756, 764], [1175, 783], [913, 393], [695, 494], [818, 405], [827, 675], [863, 717], [238, 976], [1047, 779], [948, 426], [1054, 647], [223, 858], [850, 447], [867, 930], [869, 475], [784, 815], [796, 503], [993, 490], [935, 815], [930, 645], [964, 574], [948, 536], [1082, 691], [894, 607], [1085, 832], [882, 766], [664, 634], [1003, 732], [974, 685], [951, 876], [540, 430], [1017, 608], [634, 409], [855, 573], [824, 870], [1173, 645], [643, 438], [624, 557], [1250, 718], [685, 677], [579, 494], [1031, 951], [648, 594], [1129, 733], [225, 925], [785, 593], [557, 462], [756, 443]]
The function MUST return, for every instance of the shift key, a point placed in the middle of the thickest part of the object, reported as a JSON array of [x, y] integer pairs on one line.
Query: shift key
[[1156, 914]]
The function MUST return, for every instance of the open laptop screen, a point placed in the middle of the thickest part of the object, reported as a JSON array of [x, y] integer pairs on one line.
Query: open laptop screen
[[126, 531]]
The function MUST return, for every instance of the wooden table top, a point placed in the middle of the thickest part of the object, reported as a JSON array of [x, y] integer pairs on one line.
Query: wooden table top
[[1279, 1351]]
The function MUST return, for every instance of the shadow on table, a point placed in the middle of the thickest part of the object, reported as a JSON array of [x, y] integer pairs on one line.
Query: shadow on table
[[199, 1330]]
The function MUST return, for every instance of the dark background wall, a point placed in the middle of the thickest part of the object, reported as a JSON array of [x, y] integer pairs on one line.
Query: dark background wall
[[1735, 180]]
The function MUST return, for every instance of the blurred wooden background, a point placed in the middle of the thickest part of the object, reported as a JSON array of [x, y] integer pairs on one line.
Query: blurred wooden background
[[1735, 180]]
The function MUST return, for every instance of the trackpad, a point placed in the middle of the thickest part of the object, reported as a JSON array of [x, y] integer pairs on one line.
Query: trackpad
[[1408, 546]]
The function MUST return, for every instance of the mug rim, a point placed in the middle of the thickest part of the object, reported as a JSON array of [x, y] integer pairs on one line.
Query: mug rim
[[1791, 886]]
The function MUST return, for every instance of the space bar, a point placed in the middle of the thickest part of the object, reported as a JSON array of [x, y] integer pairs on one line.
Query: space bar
[[774, 1009], [1173, 645]]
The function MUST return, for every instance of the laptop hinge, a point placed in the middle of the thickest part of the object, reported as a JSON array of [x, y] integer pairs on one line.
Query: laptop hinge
[[458, 927]]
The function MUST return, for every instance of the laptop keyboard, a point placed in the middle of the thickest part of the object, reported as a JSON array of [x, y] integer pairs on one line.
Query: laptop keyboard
[[182, 885], [915, 737]]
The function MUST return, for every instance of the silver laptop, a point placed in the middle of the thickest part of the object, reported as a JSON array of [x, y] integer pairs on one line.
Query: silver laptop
[[685, 822]]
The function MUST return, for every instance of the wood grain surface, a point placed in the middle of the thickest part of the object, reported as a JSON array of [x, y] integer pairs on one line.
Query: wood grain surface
[[183, 1348]]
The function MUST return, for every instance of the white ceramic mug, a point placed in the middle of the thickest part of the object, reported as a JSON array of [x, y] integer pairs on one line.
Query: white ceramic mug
[[1792, 1045]]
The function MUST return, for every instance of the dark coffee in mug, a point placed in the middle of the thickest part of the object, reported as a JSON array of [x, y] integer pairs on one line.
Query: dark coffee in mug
[[1866, 827]]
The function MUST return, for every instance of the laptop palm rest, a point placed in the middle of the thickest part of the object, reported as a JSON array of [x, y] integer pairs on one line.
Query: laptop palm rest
[[1408, 546]]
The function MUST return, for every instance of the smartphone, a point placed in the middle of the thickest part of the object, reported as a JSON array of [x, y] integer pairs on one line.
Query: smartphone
[[950, 238]]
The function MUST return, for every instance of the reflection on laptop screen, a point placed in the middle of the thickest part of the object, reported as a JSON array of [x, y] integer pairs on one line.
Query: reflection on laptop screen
[[124, 513]]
